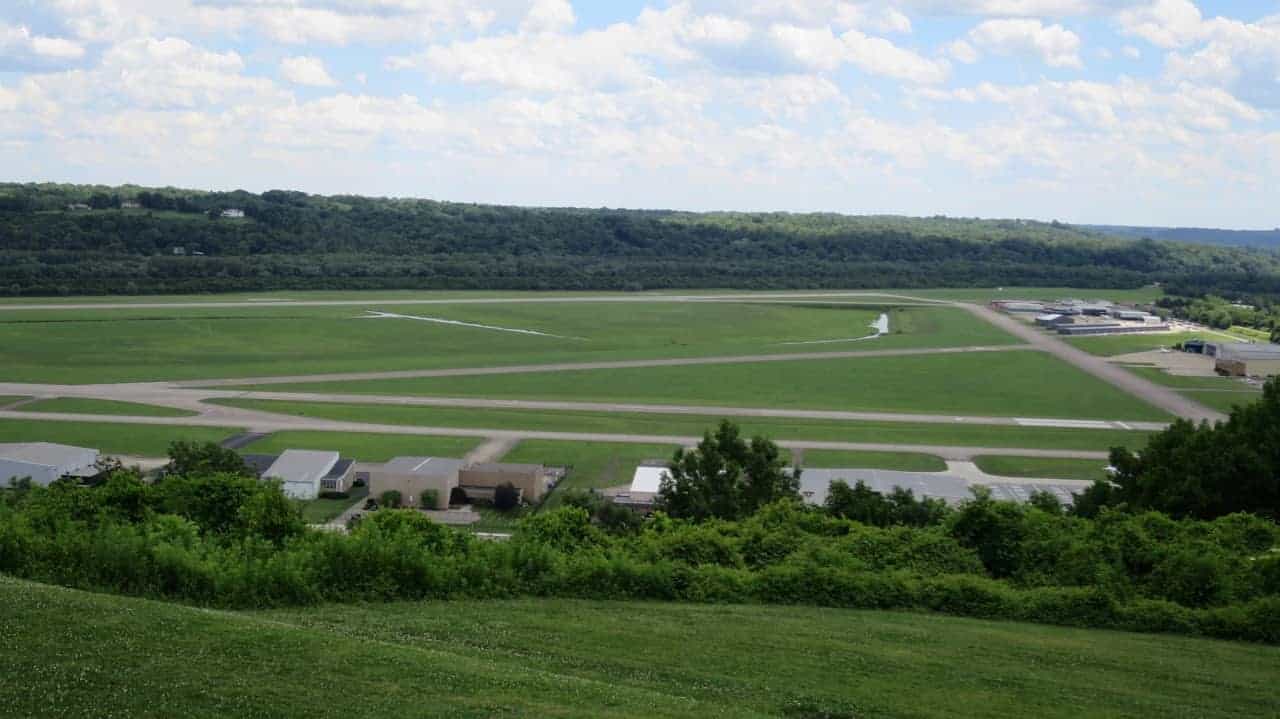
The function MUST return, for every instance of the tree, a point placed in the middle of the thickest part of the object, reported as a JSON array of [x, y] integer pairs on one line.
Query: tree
[[726, 477], [1207, 471], [506, 497], [269, 514], [205, 458], [859, 503]]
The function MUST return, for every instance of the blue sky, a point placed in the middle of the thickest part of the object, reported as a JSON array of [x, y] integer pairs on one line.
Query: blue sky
[[1154, 112]]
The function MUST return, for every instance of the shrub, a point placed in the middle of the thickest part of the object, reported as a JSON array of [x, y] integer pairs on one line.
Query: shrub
[[458, 495], [330, 494], [429, 499], [391, 499], [506, 497]]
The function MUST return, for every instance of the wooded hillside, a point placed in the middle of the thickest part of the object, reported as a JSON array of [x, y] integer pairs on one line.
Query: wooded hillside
[[65, 239]]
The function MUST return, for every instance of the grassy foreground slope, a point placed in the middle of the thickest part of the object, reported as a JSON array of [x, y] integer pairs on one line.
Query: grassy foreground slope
[[83, 654]]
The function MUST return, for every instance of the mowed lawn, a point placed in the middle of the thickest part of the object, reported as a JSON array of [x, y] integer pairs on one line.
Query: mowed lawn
[[900, 461], [83, 654], [365, 447], [692, 426], [1110, 346], [1043, 467], [144, 440], [77, 405], [125, 345], [590, 465], [1000, 384]]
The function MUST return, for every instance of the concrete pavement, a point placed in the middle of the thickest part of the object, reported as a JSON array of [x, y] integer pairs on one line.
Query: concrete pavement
[[268, 422]]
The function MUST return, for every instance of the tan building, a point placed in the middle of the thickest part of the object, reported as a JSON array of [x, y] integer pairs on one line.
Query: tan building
[[530, 479], [413, 476]]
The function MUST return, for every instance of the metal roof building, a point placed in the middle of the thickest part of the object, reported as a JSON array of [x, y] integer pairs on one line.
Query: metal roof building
[[815, 483], [301, 471], [1241, 359], [45, 462]]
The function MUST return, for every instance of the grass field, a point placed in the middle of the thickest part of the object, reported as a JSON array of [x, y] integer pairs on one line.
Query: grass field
[[591, 465], [693, 426], [1110, 346], [1087, 469], [5, 401], [1223, 401], [320, 511], [82, 654], [365, 447], [124, 345], [900, 461], [1000, 384], [1159, 376], [76, 405], [133, 439]]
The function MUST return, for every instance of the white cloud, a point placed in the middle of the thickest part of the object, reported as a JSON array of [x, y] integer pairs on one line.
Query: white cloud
[[548, 16], [306, 70], [17, 42], [1055, 45], [1132, 52], [1164, 23]]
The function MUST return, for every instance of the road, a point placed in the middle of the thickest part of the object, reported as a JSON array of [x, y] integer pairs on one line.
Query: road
[[577, 366], [1154, 394], [267, 422], [195, 399], [526, 299]]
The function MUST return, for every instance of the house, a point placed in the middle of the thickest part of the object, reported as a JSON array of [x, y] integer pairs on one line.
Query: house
[[1241, 359], [130, 205], [304, 474], [233, 213], [179, 250], [45, 462], [78, 207]]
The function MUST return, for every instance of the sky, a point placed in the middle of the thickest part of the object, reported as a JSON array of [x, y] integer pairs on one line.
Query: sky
[[1147, 112]]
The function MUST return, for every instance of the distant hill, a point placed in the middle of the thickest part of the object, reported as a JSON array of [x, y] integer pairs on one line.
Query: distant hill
[[1267, 239], [64, 239]]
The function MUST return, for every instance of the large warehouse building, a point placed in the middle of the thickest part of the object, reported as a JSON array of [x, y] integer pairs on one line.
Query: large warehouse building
[[44, 462], [1240, 359]]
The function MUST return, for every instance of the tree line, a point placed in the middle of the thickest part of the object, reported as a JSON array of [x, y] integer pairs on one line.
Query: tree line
[[175, 241]]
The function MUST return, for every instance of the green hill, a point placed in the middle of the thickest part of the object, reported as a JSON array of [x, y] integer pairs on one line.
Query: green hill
[[59, 239], [73, 653]]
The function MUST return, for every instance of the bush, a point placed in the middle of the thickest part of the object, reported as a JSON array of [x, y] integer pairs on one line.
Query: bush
[[458, 495], [429, 499], [506, 497], [330, 494], [391, 499]]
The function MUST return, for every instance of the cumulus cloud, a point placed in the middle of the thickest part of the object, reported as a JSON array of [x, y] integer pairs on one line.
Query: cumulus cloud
[[306, 70], [23, 47], [1055, 45]]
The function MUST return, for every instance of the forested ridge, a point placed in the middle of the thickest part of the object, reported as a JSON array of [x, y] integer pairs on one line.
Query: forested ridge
[[77, 239]]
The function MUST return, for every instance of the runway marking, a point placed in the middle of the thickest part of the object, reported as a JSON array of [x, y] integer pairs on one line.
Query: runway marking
[[375, 315]]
